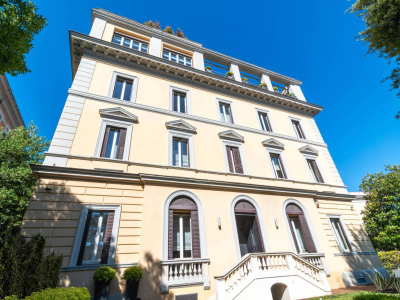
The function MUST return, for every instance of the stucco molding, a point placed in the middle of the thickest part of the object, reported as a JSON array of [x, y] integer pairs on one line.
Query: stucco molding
[[308, 150], [273, 143], [119, 113], [231, 135], [181, 125]]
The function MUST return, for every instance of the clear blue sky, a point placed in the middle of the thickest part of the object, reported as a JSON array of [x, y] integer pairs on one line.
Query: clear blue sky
[[313, 41]]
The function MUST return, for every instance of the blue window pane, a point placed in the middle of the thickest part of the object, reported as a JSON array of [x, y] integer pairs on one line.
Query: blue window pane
[[117, 39], [189, 62], [182, 101], [127, 42], [184, 153], [166, 55], [173, 57], [135, 45], [175, 106], [118, 88], [128, 90], [181, 59], [112, 143], [144, 48], [175, 152], [221, 112]]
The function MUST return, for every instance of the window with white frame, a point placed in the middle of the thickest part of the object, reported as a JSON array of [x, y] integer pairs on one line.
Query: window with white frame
[[130, 42], [180, 152], [264, 121], [182, 235], [277, 165], [315, 172], [339, 234], [96, 235], [297, 129], [179, 102], [225, 112], [123, 88], [177, 57], [114, 142]]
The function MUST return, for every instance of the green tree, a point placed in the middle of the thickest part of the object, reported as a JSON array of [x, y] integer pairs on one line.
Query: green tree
[[382, 33], [19, 22], [18, 148], [382, 211]]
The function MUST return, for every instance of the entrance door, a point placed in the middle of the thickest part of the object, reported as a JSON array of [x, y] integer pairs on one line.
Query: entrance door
[[248, 233]]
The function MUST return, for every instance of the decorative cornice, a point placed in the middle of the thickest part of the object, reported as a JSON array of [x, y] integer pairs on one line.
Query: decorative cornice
[[118, 113], [185, 43], [181, 125], [231, 135], [187, 116], [308, 150], [85, 45], [273, 143]]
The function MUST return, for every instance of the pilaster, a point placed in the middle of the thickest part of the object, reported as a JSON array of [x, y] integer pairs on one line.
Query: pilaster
[[265, 79], [198, 61], [155, 46], [98, 27], [295, 89], [236, 73]]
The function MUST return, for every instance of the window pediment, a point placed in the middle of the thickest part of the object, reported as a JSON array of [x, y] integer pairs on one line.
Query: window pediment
[[231, 135], [308, 150], [273, 143], [119, 113], [181, 125]]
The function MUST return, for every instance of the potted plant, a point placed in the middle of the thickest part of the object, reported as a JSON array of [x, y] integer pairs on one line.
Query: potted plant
[[208, 69], [245, 80], [102, 278], [276, 89], [292, 95], [229, 75], [263, 85], [132, 276], [168, 29]]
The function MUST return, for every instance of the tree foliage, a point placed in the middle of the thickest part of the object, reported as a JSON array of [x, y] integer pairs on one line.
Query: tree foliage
[[18, 149], [382, 211], [19, 22], [382, 33]]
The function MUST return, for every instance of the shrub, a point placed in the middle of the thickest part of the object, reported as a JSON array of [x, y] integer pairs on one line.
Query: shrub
[[292, 95], [390, 260], [208, 68], [262, 84], [168, 29], [152, 24], [275, 88], [396, 284], [132, 274], [244, 79], [229, 73], [381, 281], [104, 274], [179, 33]]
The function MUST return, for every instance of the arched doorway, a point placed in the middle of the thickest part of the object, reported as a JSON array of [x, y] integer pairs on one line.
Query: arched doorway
[[280, 291], [248, 228], [299, 229]]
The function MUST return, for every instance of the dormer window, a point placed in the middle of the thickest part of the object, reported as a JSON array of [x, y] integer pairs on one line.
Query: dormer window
[[130, 43], [177, 57]]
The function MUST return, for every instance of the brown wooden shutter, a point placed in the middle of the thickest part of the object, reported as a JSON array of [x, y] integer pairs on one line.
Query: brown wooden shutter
[[194, 215], [170, 234], [307, 235], [84, 237], [107, 238], [258, 235], [237, 160], [319, 175], [229, 157], [104, 147], [121, 144]]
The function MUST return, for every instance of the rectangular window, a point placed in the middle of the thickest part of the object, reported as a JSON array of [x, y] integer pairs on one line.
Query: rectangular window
[[177, 57], [277, 165], [312, 165], [225, 112], [298, 129], [179, 102], [265, 125], [182, 236], [340, 235], [123, 88], [298, 234], [234, 160], [113, 143], [180, 152], [130, 43]]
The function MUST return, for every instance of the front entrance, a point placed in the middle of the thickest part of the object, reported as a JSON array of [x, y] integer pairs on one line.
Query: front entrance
[[248, 229]]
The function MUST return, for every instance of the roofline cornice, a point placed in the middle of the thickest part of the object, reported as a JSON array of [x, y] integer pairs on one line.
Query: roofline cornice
[[194, 46], [11, 105], [81, 44]]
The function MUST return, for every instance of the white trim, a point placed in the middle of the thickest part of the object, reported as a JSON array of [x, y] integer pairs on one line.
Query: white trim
[[308, 220], [283, 161], [313, 157], [266, 112], [117, 123], [232, 109], [81, 227], [202, 228], [301, 125], [260, 221], [346, 232], [188, 104], [135, 80], [233, 144], [184, 135]]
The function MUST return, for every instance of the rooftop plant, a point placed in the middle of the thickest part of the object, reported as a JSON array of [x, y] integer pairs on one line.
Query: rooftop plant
[[244, 79], [132, 274], [104, 274], [179, 33], [229, 74], [275, 88], [168, 29], [262, 84], [292, 95], [208, 68], [152, 24]]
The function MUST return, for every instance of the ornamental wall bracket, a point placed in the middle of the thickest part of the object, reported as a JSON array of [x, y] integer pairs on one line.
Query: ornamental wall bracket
[[273, 143], [231, 135], [308, 150], [181, 125], [119, 113]]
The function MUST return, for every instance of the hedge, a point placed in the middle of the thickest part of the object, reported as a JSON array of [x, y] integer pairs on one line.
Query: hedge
[[390, 259], [71, 293]]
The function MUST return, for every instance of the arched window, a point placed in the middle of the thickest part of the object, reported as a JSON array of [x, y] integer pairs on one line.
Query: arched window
[[248, 228], [183, 229], [299, 229]]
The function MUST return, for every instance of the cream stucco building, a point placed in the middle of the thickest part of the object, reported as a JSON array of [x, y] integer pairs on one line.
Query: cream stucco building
[[217, 187]]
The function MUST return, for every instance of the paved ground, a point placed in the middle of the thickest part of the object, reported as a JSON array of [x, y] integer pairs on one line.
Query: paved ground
[[353, 289]]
